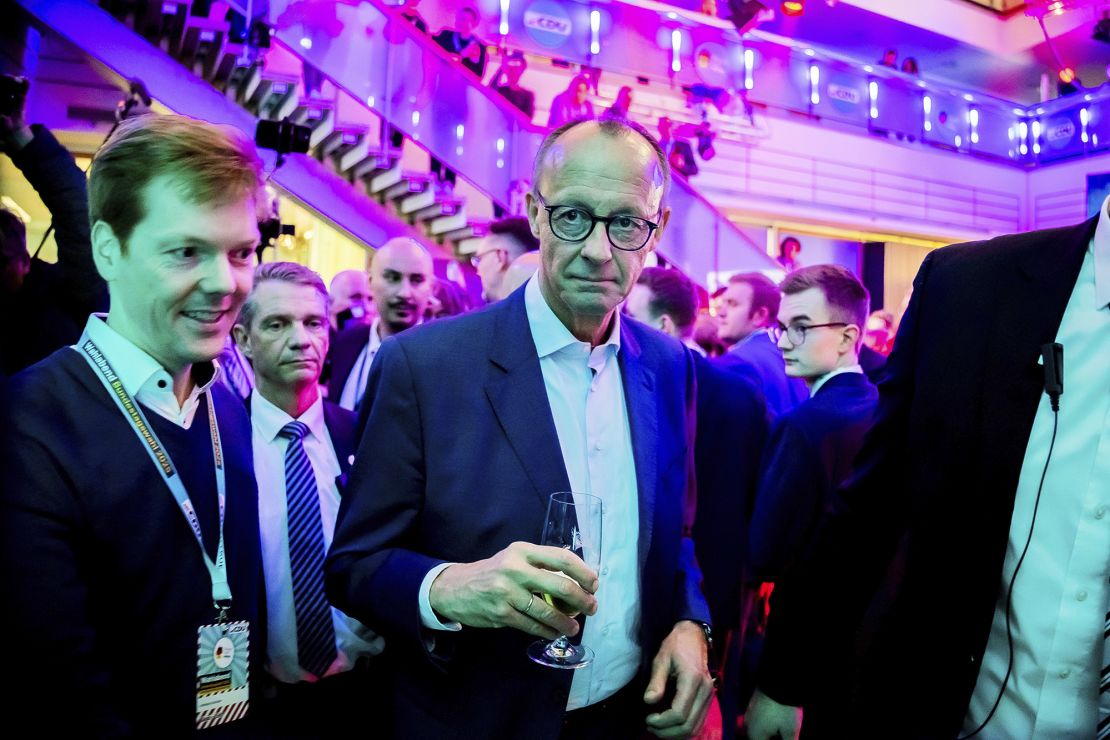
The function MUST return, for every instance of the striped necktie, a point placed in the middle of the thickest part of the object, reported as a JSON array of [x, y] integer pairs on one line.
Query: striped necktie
[[315, 633], [1104, 684]]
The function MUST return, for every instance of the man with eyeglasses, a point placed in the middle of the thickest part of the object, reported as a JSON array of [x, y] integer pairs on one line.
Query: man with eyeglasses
[[508, 239], [819, 330], [473, 422]]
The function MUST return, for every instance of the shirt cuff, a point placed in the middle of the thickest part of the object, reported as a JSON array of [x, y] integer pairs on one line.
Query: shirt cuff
[[427, 616]]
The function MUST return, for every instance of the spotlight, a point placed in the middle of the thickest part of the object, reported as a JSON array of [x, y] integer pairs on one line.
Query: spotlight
[[1067, 75], [793, 7]]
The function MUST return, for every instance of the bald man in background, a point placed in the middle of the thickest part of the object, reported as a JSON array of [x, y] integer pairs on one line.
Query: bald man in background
[[350, 301], [401, 286]]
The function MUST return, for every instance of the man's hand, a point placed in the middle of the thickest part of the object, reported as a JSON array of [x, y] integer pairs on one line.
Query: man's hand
[[472, 52], [767, 719], [502, 591], [683, 656]]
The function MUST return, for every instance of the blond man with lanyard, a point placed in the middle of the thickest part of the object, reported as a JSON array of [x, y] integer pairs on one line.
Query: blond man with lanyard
[[130, 557]]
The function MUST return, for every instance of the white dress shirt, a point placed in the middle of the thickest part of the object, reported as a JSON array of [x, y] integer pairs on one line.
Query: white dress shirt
[[1061, 597], [355, 386], [353, 639], [586, 396], [143, 377]]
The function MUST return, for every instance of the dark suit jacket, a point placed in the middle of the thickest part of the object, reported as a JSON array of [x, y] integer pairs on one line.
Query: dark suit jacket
[[342, 356], [810, 453], [732, 430], [940, 468], [458, 460], [759, 354]]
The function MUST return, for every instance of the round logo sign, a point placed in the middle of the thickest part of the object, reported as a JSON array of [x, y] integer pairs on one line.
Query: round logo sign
[[547, 23]]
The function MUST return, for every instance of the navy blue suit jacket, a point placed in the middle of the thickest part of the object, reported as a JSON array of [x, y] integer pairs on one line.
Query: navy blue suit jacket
[[758, 357], [810, 453], [345, 348], [732, 430], [458, 459]]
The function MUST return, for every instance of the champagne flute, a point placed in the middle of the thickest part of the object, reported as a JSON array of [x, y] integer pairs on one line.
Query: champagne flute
[[573, 523]]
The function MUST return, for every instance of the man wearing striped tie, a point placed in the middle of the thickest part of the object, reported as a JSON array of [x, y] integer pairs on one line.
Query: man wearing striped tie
[[319, 661], [988, 470]]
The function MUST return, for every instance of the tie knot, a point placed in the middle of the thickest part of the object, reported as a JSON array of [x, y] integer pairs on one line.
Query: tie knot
[[294, 430]]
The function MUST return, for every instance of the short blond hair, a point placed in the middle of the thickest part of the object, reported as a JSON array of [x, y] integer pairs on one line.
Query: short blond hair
[[208, 164]]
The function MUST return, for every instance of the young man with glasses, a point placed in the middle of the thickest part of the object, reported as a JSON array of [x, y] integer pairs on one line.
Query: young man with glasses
[[810, 451]]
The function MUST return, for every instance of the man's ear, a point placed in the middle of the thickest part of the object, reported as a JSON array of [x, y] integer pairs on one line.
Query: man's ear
[[532, 208], [242, 339], [761, 316], [107, 250], [666, 324], [850, 339], [664, 219]]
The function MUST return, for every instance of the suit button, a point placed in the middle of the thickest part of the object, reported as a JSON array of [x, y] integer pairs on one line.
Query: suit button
[[1081, 596], [1065, 672], [1100, 512]]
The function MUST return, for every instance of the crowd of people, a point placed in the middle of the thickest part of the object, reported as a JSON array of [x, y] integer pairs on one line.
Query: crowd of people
[[244, 503]]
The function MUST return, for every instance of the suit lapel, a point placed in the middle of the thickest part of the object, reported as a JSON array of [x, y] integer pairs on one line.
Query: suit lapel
[[641, 402], [1028, 315], [516, 392], [342, 433]]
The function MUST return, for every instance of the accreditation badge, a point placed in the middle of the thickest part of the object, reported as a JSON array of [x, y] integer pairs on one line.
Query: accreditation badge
[[222, 673]]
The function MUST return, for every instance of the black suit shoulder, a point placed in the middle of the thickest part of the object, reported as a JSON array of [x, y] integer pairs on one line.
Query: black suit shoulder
[[969, 259]]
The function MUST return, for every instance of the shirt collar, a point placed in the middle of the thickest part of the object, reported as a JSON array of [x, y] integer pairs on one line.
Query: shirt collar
[[134, 367], [375, 336], [830, 375], [1100, 247], [268, 419], [549, 333]]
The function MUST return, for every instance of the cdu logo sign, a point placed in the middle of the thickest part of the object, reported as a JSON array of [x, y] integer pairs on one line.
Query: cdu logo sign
[[547, 23]]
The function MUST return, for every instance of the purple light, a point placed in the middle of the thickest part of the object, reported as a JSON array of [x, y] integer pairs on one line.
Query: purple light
[[873, 93], [504, 27], [814, 84], [676, 48], [595, 32]]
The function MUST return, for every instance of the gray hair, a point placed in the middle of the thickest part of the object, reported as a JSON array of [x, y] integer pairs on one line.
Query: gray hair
[[284, 272]]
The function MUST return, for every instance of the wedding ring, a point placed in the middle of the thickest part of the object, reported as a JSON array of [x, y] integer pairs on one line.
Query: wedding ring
[[528, 606]]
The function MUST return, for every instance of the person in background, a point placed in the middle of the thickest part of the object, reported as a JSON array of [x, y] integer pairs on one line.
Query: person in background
[[45, 305], [622, 104], [506, 83], [410, 13], [679, 152], [745, 312], [322, 667], [507, 240], [909, 66], [351, 301], [572, 104], [461, 43], [889, 59], [448, 299], [401, 284], [789, 249]]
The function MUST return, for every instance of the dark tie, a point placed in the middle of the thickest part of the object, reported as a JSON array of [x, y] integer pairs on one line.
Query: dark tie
[[315, 632]]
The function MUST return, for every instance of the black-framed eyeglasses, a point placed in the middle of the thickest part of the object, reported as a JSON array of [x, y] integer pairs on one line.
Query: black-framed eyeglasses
[[796, 333], [573, 224]]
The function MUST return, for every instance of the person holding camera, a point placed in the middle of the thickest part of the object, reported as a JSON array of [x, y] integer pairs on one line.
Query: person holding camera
[[48, 302]]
